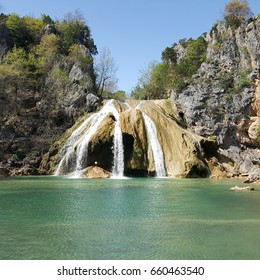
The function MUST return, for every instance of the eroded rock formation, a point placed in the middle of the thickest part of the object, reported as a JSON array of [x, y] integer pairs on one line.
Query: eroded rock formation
[[183, 151]]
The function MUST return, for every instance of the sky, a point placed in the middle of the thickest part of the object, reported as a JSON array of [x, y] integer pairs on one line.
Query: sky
[[135, 31]]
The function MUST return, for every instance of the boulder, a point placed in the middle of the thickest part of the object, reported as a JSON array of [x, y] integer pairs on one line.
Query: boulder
[[92, 102], [242, 189], [253, 177], [96, 172]]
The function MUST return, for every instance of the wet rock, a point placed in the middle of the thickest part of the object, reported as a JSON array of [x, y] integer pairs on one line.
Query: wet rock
[[242, 189], [96, 172]]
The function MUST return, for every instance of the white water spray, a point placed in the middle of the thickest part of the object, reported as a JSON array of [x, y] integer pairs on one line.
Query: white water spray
[[118, 166], [155, 145], [75, 150]]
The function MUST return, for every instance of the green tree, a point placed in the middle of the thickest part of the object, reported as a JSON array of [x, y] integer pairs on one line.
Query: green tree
[[77, 53], [46, 19], [18, 31], [169, 55], [74, 30], [237, 11], [153, 82], [195, 55], [120, 95], [34, 27], [47, 51]]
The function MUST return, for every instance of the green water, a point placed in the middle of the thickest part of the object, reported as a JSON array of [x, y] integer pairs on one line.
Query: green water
[[59, 218]]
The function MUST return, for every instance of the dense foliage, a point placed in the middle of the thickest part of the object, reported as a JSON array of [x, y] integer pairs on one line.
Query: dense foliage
[[159, 79], [38, 50]]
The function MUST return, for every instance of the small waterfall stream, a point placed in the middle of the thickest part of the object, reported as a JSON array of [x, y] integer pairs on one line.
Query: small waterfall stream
[[155, 145], [118, 165], [75, 150]]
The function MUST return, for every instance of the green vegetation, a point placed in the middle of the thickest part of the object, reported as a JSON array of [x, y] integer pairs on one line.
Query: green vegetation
[[118, 95], [243, 80], [42, 50], [160, 78], [181, 61]]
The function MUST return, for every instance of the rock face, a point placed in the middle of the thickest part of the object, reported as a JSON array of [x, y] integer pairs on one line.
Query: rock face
[[222, 99], [92, 102], [31, 120], [184, 152]]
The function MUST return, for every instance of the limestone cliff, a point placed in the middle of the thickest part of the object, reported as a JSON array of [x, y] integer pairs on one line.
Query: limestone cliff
[[222, 99]]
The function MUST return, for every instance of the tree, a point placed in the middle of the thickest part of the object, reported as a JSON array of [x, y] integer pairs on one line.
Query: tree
[[76, 16], [195, 55], [105, 72], [18, 31], [153, 82], [47, 51], [237, 11], [46, 19], [169, 55], [73, 30]]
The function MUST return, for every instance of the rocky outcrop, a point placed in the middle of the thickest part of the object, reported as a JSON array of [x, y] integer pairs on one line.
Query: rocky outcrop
[[254, 176], [135, 142], [92, 102], [96, 172], [242, 189], [184, 152], [33, 118], [222, 99]]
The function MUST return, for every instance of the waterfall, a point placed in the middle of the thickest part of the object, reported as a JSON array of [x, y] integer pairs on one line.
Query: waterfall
[[155, 145], [200, 155], [127, 105], [118, 166], [68, 160], [75, 150]]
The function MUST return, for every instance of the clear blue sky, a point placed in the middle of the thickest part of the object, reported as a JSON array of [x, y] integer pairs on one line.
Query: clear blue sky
[[135, 31]]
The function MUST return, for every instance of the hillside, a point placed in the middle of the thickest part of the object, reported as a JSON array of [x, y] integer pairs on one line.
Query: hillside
[[222, 98], [47, 83], [46, 72]]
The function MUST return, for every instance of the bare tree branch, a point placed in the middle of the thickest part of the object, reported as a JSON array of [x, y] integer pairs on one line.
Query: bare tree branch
[[106, 72]]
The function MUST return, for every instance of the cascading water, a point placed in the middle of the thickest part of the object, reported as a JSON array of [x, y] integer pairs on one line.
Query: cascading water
[[200, 155], [75, 150], [118, 166], [155, 145]]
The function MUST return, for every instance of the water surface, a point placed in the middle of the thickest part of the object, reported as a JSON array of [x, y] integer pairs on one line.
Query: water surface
[[61, 218]]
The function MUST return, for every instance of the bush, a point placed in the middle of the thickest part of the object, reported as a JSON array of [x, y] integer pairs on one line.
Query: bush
[[226, 81]]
